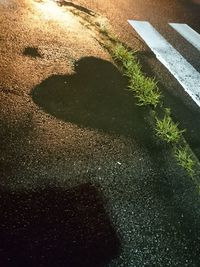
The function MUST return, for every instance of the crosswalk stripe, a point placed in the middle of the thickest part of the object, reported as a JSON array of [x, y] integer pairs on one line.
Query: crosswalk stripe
[[188, 33], [182, 70]]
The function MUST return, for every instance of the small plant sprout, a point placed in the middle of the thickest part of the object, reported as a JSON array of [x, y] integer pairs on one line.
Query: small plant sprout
[[122, 54], [148, 97], [147, 93], [113, 38], [167, 130], [103, 29], [184, 159], [146, 90], [132, 69]]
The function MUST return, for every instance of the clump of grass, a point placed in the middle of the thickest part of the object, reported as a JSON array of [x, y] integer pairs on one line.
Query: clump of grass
[[167, 130], [121, 53], [148, 97], [145, 88], [103, 29], [147, 92], [113, 38], [132, 69], [184, 159]]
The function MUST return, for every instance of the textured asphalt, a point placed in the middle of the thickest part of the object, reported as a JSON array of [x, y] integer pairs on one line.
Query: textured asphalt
[[83, 181], [159, 14]]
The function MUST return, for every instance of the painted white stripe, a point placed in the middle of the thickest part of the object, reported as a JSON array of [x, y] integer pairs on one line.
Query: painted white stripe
[[184, 72], [188, 33]]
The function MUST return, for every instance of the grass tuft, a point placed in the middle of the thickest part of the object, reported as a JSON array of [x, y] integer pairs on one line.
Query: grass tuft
[[103, 29], [121, 53], [145, 88], [184, 159], [167, 130], [147, 92]]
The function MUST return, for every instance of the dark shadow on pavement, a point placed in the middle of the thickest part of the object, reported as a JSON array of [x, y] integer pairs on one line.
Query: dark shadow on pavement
[[81, 8], [31, 52], [56, 228], [94, 97]]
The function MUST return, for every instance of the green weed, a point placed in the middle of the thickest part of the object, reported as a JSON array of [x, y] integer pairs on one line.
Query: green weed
[[103, 29], [147, 92], [148, 97], [146, 89], [132, 69], [185, 160], [167, 130], [113, 38], [122, 54]]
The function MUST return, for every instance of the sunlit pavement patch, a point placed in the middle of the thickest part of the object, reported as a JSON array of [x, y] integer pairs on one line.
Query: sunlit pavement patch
[[6, 2]]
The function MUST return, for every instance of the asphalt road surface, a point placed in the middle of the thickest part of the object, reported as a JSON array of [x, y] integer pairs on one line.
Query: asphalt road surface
[[83, 182], [159, 14]]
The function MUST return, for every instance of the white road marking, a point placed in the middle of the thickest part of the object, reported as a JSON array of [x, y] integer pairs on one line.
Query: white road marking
[[188, 33], [183, 71]]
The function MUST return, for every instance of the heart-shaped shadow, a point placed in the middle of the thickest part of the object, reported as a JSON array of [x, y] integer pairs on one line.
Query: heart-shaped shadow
[[93, 97]]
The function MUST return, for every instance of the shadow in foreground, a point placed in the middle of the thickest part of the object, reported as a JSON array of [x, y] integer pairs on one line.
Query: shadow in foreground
[[56, 228], [93, 97], [31, 52]]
